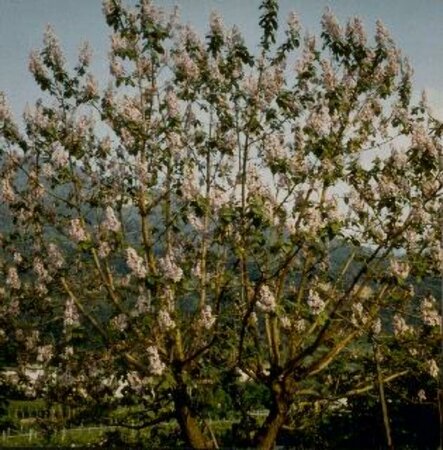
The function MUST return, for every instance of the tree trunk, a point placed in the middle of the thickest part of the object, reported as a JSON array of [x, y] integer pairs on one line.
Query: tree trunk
[[189, 426], [268, 433]]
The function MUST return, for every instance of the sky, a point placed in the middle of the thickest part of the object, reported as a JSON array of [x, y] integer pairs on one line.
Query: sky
[[416, 26]]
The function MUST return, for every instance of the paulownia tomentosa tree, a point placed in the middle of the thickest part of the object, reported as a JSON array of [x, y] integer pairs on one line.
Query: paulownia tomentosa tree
[[179, 226]]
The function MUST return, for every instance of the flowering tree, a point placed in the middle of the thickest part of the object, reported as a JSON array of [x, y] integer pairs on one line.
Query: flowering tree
[[179, 227]]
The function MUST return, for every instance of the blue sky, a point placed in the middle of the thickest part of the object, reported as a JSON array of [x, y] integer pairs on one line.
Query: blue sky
[[417, 27]]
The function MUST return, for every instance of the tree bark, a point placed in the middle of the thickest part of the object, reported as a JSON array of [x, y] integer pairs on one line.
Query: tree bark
[[189, 425], [268, 433]]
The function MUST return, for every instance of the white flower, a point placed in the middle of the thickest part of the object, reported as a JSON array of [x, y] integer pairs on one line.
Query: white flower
[[359, 316], [421, 394], [429, 314], [433, 368], [156, 366], [399, 269], [207, 319], [120, 322], [40, 270], [18, 258], [300, 325], [400, 326], [70, 317], [55, 256], [142, 305], [196, 270], [44, 353], [266, 300], [376, 326], [285, 322], [315, 303], [164, 320]]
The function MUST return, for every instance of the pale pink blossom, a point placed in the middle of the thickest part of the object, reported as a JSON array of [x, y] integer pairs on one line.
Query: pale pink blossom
[[142, 304], [207, 319], [382, 35], [53, 49], [433, 368], [104, 249], [40, 270], [131, 110], [165, 321], [18, 258], [429, 314], [172, 105], [185, 64], [36, 66], [216, 23], [399, 269], [55, 256], [7, 191], [170, 269], [293, 23], [136, 263], [377, 326], [285, 322], [196, 223], [120, 322], [356, 31], [71, 317], [111, 222], [77, 231], [400, 326], [265, 299], [328, 75], [85, 54], [109, 6], [156, 366], [421, 394], [331, 25], [59, 156], [300, 325], [118, 43], [116, 68], [45, 353], [196, 270], [315, 302], [320, 121], [91, 86], [359, 317], [5, 110], [12, 279]]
